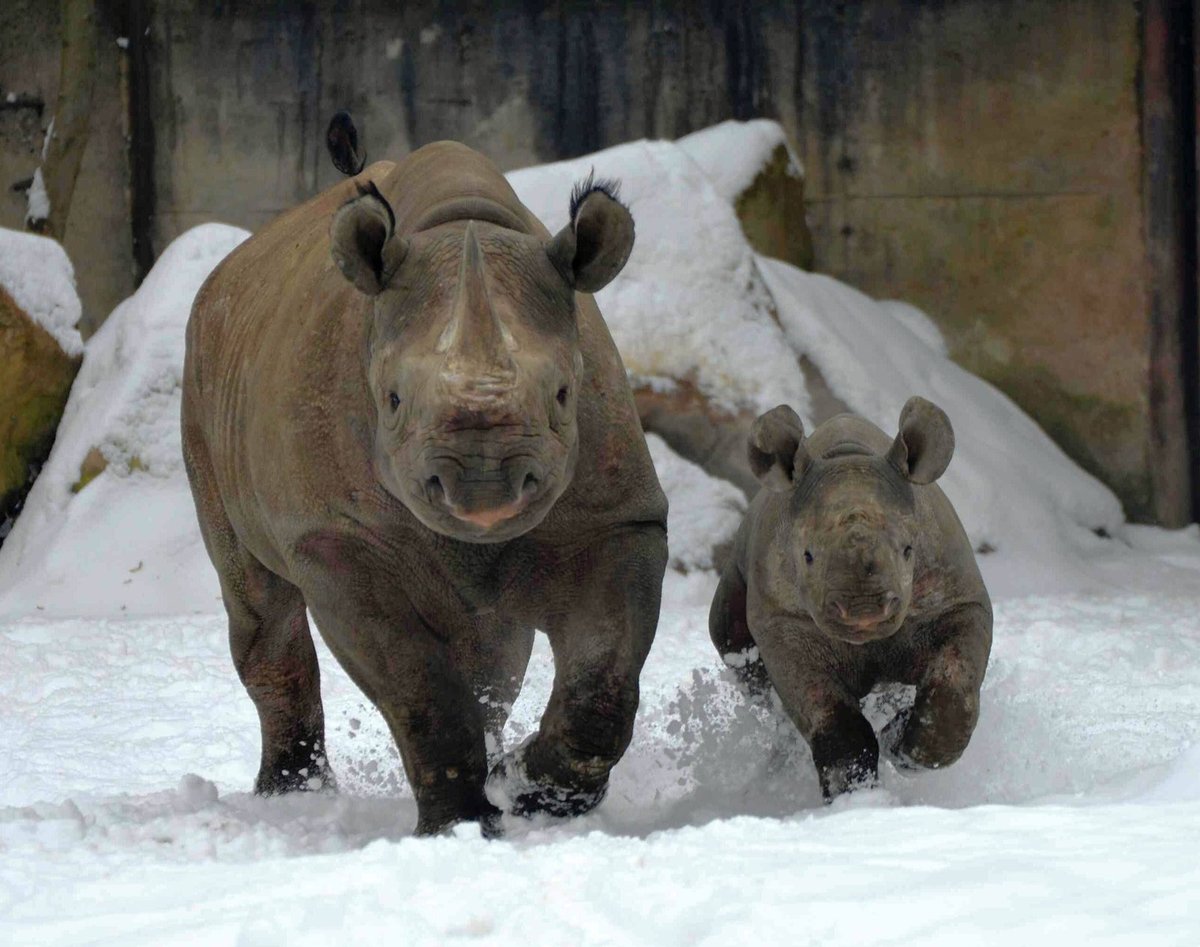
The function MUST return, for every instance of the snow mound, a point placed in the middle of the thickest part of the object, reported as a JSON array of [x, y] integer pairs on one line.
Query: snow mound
[[39, 276], [732, 154], [689, 304], [704, 510], [128, 539], [1013, 487]]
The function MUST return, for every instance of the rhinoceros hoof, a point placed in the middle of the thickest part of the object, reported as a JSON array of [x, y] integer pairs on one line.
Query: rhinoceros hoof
[[510, 787], [488, 820], [891, 740], [307, 779]]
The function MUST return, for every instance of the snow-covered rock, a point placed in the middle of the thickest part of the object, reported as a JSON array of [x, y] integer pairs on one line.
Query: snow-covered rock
[[40, 351], [39, 276]]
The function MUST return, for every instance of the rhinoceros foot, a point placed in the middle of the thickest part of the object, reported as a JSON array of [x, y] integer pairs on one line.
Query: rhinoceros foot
[[510, 787]]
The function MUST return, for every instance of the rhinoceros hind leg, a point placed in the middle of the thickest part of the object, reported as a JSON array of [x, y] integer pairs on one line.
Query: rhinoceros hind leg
[[494, 666], [273, 652], [269, 639]]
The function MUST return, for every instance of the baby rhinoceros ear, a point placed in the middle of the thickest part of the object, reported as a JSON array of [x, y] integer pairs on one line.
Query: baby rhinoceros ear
[[778, 454], [925, 444], [594, 246]]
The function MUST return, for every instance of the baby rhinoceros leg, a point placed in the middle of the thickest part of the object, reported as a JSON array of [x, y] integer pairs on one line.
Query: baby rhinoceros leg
[[844, 748], [828, 716], [936, 730]]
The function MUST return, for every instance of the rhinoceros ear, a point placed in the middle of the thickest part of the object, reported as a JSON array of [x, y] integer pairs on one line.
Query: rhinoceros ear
[[341, 138], [362, 240], [591, 249], [778, 453], [925, 444]]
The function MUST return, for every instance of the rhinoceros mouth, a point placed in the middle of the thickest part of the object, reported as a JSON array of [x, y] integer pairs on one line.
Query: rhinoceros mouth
[[486, 519], [861, 633]]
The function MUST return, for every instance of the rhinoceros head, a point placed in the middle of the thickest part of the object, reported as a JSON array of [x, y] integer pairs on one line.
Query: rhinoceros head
[[851, 538], [474, 363]]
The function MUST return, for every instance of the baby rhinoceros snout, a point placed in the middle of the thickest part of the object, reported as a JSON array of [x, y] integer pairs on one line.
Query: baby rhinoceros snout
[[863, 611], [484, 493]]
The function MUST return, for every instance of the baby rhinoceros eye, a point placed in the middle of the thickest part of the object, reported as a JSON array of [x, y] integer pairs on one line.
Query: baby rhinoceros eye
[[393, 400], [908, 552], [807, 558]]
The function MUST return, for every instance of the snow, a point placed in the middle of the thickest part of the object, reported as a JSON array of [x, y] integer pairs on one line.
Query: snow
[[125, 816], [705, 511], [130, 745], [732, 153], [1013, 488], [128, 540], [689, 303], [38, 207], [38, 275]]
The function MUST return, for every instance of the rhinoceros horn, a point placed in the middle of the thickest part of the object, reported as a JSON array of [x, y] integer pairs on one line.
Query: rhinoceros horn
[[478, 359]]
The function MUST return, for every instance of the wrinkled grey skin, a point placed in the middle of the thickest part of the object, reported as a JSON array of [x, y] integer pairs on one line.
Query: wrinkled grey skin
[[402, 411], [852, 570]]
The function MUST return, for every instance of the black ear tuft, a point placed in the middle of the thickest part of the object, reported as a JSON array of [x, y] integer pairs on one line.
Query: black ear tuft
[[610, 187], [341, 138]]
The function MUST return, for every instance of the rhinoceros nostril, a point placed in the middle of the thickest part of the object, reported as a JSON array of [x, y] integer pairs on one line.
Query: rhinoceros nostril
[[891, 605], [530, 484], [434, 489]]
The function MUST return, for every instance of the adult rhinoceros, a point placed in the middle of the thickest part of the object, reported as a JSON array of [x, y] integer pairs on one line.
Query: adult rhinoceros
[[402, 410]]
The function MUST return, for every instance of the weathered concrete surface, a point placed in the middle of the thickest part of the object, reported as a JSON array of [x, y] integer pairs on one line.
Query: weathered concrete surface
[[983, 161], [97, 237], [522, 83], [35, 379]]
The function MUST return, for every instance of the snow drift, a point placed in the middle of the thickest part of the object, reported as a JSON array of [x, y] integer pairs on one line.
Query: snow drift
[[694, 303]]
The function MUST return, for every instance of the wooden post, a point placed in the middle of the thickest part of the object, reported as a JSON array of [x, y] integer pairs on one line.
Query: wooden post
[[1166, 157], [68, 131]]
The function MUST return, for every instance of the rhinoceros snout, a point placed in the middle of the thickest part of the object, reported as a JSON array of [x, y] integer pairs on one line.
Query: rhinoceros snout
[[483, 496], [863, 613]]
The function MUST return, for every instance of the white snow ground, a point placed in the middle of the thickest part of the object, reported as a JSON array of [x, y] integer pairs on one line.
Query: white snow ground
[[129, 745]]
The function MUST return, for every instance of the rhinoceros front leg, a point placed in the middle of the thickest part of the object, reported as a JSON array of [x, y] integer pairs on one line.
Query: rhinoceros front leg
[[408, 670], [600, 631], [936, 730], [828, 716]]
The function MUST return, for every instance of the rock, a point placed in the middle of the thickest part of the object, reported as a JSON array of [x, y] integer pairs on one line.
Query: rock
[[35, 379], [771, 211]]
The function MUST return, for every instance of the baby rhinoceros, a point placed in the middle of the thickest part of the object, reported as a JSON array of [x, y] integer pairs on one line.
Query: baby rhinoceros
[[852, 570]]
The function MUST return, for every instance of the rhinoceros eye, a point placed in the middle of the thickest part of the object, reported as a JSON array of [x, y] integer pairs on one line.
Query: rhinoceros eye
[[908, 552], [807, 557], [561, 397], [394, 400]]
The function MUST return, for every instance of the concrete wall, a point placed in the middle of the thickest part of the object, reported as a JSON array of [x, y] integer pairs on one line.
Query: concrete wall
[[984, 160]]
